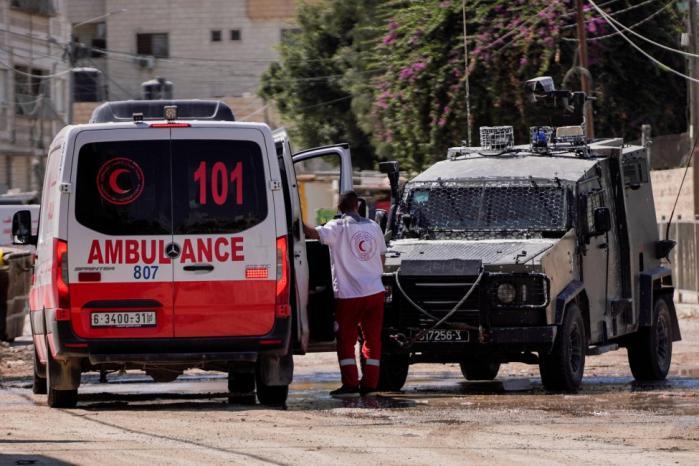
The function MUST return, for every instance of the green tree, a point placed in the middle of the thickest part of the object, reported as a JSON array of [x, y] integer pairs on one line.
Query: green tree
[[311, 86]]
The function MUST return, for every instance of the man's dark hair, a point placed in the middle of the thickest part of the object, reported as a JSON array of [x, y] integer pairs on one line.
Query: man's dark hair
[[349, 202]]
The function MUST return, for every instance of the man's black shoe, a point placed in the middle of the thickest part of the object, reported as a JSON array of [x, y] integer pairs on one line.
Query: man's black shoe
[[345, 392]]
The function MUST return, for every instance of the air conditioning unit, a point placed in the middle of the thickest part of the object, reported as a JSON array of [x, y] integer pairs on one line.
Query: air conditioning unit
[[146, 62]]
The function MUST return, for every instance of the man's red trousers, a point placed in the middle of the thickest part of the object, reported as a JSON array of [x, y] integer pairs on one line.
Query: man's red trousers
[[353, 315]]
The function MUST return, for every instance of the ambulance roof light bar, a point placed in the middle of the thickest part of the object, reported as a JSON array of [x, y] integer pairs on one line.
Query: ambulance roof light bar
[[128, 110]]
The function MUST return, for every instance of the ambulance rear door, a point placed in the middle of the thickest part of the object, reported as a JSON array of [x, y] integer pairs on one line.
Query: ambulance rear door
[[118, 230], [297, 251], [321, 317], [224, 226]]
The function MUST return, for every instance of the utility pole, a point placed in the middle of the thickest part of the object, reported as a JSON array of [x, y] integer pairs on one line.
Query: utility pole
[[585, 74], [693, 95]]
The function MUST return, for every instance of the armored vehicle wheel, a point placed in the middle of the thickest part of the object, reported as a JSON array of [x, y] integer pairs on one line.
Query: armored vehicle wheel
[[650, 352], [163, 374], [562, 369], [271, 395], [479, 370], [241, 387], [393, 372], [39, 380]]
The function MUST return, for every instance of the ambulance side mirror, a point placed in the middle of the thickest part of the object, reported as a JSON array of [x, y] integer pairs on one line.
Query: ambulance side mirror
[[22, 228]]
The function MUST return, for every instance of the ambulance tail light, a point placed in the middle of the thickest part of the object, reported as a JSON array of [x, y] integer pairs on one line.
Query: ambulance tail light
[[60, 279], [282, 307]]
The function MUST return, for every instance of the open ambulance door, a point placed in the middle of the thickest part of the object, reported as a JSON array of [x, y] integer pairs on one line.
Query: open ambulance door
[[320, 301]]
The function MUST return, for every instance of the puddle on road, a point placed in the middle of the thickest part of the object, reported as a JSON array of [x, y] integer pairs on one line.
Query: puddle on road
[[598, 396]]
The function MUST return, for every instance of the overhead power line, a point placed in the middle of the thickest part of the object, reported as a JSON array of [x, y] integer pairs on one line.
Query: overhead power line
[[618, 12], [657, 62], [633, 26], [651, 41]]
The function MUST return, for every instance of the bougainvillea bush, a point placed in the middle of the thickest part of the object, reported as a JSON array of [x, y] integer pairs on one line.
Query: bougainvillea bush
[[402, 65]]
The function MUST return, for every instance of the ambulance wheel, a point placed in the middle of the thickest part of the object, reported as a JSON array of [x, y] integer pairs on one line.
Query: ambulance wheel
[[393, 372], [56, 374], [241, 387], [39, 382], [650, 352], [562, 369], [479, 370], [271, 395]]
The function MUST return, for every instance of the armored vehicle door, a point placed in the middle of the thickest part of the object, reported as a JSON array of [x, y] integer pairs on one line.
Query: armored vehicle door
[[600, 254], [320, 314]]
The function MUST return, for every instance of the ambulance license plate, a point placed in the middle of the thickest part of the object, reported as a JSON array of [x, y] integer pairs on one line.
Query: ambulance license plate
[[443, 336], [123, 319]]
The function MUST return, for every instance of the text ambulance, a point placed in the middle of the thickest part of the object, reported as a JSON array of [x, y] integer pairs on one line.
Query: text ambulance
[[170, 237]]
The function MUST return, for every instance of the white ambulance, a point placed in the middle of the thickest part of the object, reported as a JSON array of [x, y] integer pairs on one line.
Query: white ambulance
[[170, 237]]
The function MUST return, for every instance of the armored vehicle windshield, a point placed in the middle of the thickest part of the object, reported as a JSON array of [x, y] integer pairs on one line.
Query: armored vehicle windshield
[[485, 208]]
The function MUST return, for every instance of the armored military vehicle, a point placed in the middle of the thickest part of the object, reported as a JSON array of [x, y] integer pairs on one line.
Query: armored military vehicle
[[543, 253]]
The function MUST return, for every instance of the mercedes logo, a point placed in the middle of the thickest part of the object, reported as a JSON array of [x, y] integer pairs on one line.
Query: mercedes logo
[[172, 250]]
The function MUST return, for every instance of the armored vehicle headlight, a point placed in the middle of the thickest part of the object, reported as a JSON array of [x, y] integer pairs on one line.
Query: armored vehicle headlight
[[506, 293]]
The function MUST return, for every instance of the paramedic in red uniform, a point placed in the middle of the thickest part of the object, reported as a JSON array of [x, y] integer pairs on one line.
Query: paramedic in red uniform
[[357, 249]]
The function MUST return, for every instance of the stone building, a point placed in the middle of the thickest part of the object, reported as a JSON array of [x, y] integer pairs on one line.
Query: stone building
[[33, 87], [208, 48]]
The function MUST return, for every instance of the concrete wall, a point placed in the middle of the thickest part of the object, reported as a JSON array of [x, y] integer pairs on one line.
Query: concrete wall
[[666, 183]]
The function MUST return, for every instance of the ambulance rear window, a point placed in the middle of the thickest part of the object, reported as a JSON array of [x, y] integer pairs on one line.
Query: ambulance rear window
[[218, 186], [123, 187]]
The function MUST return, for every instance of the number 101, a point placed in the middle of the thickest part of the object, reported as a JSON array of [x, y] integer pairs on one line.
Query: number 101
[[221, 180]]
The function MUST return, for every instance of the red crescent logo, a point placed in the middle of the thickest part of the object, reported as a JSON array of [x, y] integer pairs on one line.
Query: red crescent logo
[[361, 246], [120, 181], [114, 185]]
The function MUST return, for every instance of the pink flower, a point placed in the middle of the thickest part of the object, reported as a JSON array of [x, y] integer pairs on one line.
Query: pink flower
[[523, 61], [389, 38]]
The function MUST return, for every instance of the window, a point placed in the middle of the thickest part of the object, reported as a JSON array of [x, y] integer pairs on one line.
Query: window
[[216, 36], [29, 86], [235, 34], [155, 44], [220, 186], [123, 188], [595, 200], [635, 171]]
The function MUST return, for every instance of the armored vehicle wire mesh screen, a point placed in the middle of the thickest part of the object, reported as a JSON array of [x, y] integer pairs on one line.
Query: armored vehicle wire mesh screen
[[462, 209]]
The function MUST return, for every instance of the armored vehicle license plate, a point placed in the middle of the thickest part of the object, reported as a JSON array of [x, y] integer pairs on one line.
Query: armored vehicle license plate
[[443, 336], [123, 319]]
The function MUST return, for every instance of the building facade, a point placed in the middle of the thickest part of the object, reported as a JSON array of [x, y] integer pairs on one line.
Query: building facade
[[33, 87], [208, 49]]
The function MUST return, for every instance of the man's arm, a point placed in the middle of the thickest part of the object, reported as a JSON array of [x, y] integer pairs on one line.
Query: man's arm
[[310, 232]]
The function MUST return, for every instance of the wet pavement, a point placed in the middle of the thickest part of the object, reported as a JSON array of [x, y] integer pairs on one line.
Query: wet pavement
[[438, 418]]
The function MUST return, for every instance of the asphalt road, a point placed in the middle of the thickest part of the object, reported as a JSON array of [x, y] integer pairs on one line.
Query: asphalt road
[[438, 419]]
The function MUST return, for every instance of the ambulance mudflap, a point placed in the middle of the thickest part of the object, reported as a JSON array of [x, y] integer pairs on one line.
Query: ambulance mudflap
[[171, 239]]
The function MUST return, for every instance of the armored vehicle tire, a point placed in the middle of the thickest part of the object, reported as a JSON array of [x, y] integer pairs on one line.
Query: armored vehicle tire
[[271, 395], [562, 369], [479, 370], [39, 382], [241, 387], [393, 372], [650, 352]]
